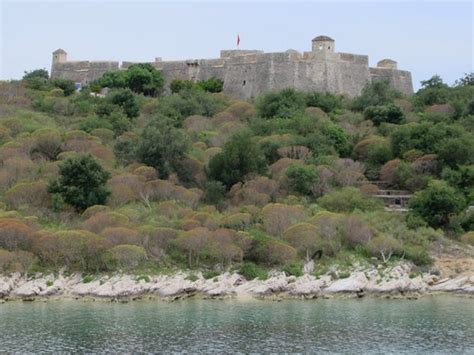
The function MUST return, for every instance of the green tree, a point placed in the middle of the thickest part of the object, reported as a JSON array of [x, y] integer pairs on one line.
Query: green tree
[[162, 146], [82, 182], [178, 85], [125, 99], [240, 156], [301, 178], [281, 104], [375, 94], [67, 86], [437, 203], [38, 73], [144, 79], [380, 114], [211, 85]]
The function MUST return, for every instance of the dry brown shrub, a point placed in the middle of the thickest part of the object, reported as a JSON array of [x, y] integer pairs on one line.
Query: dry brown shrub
[[157, 240], [14, 170], [147, 172], [30, 194], [105, 135], [280, 253], [225, 131], [197, 124], [222, 118], [121, 235], [388, 171], [440, 108], [357, 231], [170, 209], [326, 180], [210, 152], [102, 220], [331, 229], [349, 172], [316, 113], [223, 247], [305, 238], [280, 166], [237, 221], [93, 210], [46, 144], [242, 195], [196, 170], [425, 165], [14, 93], [242, 110], [193, 243], [15, 235], [361, 149], [278, 217], [190, 224], [369, 189], [298, 152]]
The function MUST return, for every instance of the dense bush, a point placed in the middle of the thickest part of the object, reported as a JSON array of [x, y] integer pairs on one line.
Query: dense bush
[[240, 156], [349, 199], [81, 182], [437, 203]]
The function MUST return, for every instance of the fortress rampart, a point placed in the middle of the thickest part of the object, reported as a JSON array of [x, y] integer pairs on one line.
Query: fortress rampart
[[248, 73]]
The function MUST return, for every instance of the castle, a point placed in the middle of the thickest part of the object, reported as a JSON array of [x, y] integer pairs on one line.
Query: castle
[[248, 73]]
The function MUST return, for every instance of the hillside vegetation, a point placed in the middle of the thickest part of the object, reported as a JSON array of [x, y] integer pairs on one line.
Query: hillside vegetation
[[140, 179]]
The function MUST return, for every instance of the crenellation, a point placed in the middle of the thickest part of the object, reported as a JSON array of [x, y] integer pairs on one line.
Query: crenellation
[[248, 73]]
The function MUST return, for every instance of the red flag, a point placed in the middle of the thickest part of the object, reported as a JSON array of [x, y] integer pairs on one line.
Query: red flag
[[238, 40]]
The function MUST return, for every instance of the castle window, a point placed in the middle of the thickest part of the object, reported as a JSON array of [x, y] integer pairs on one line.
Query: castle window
[[244, 82], [320, 47], [329, 47]]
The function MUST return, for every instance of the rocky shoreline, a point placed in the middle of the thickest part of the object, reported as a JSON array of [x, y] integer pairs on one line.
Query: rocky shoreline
[[394, 282]]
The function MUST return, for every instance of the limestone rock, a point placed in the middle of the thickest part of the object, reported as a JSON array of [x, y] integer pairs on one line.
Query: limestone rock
[[354, 283]]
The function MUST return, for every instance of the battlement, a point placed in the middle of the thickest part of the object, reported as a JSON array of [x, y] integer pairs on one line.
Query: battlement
[[248, 73]]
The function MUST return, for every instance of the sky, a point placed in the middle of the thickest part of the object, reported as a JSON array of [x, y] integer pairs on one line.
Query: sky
[[424, 37]]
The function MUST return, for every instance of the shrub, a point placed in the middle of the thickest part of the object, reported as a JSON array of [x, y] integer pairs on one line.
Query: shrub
[[326, 101], [305, 238], [251, 271], [384, 246], [193, 243], [82, 182], [102, 220], [28, 194], [125, 257], [302, 178], [211, 85], [210, 274], [237, 221], [293, 270], [214, 193], [156, 241], [178, 85], [436, 203], [124, 99], [47, 143], [121, 235], [240, 156], [67, 86], [384, 114], [374, 94], [349, 199], [282, 104], [278, 217], [162, 146], [468, 238], [15, 235]]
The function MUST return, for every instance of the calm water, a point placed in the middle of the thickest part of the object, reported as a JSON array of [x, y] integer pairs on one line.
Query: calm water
[[430, 325]]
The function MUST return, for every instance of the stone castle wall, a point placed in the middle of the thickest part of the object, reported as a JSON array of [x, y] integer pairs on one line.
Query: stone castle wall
[[248, 73]]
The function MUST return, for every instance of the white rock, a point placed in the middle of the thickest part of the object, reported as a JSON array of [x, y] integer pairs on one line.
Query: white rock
[[354, 283]]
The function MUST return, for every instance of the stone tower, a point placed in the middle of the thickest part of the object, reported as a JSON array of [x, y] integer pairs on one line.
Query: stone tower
[[59, 56], [323, 44], [387, 64]]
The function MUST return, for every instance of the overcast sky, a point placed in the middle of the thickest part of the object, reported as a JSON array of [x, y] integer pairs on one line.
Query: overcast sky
[[424, 37]]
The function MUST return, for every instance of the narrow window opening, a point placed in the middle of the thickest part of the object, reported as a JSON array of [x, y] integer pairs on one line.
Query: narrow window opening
[[244, 82], [320, 47]]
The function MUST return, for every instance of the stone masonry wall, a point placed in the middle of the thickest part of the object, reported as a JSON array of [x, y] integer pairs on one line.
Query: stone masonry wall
[[248, 73]]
